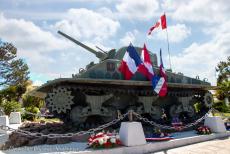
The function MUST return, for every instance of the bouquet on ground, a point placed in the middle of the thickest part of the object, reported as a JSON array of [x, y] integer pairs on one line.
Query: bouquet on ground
[[203, 130], [104, 140]]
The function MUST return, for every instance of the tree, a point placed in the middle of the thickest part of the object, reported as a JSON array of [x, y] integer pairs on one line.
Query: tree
[[12, 71], [12, 93], [223, 80]]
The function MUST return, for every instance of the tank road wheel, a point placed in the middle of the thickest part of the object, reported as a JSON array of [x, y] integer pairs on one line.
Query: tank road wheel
[[208, 100], [175, 110], [111, 114], [156, 112], [76, 115], [60, 100]]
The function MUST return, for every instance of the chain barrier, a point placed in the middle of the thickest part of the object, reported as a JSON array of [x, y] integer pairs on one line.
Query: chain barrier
[[138, 116], [93, 130], [90, 131]]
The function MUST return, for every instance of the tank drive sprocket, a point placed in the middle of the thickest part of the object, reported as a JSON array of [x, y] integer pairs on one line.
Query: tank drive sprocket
[[59, 100]]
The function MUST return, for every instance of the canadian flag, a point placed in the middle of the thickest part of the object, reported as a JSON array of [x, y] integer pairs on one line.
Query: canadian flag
[[161, 22]]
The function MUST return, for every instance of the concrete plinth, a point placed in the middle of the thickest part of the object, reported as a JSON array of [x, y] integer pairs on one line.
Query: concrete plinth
[[15, 118], [215, 123], [132, 134], [4, 120]]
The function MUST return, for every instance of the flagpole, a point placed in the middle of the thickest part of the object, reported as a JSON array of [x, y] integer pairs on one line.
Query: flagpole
[[168, 49]]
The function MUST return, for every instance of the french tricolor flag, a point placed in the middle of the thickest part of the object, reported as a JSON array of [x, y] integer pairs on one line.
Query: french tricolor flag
[[159, 82], [131, 63], [147, 63]]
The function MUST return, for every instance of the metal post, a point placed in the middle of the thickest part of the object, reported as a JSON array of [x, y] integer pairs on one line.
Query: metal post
[[168, 50], [130, 116]]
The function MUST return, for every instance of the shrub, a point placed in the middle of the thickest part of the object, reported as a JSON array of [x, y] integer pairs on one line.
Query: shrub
[[28, 116], [11, 106], [29, 101], [221, 106]]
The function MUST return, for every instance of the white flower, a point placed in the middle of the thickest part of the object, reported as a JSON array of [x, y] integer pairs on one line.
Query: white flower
[[113, 140], [101, 141], [117, 136], [105, 139]]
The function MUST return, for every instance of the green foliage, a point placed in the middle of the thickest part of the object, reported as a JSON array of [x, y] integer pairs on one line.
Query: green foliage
[[31, 101], [12, 71], [31, 109], [198, 106], [221, 106], [11, 106], [224, 90], [223, 68], [32, 104], [12, 93]]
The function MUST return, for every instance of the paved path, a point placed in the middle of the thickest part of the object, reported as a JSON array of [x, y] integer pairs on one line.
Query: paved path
[[217, 146]]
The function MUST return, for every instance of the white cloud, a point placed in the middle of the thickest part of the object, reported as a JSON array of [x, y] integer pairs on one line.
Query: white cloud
[[172, 4], [42, 50], [32, 42], [176, 33], [27, 35], [206, 11], [137, 9], [37, 83], [87, 24], [129, 37], [201, 59]]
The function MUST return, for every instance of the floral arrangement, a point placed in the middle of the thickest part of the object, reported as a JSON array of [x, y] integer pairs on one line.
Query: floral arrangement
[[203, 130], [177, 124], [158, 135], [104, 140]]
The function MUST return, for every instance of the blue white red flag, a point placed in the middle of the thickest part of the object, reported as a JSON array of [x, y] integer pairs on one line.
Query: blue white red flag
[[159, 82], [130, 63], [147, 63]]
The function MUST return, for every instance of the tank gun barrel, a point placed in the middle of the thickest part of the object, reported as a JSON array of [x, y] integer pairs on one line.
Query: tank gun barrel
[[100, 55]]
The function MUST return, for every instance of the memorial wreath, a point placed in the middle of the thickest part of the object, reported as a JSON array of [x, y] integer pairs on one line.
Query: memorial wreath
[[104, 140]]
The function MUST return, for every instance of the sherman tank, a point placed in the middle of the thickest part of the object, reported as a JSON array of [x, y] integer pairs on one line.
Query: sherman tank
[[98, 92]]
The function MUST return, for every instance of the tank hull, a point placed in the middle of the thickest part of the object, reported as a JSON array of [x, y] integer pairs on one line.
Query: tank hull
[[96, 101]]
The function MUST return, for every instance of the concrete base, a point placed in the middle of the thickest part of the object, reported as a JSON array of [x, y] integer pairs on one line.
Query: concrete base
[[215, 123], [15, 118], [158, 146], [4, 120], [132, 134]]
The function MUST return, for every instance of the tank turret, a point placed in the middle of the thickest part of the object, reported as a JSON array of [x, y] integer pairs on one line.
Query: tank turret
[[102, 55]]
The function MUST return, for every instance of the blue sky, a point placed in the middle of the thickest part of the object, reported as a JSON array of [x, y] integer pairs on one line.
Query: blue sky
[[198, 32]]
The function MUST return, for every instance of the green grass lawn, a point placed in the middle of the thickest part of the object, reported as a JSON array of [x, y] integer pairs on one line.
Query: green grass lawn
[[220, 114], [47, 119]]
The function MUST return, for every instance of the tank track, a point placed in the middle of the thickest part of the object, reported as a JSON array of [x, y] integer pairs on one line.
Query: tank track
[[78, 103]]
